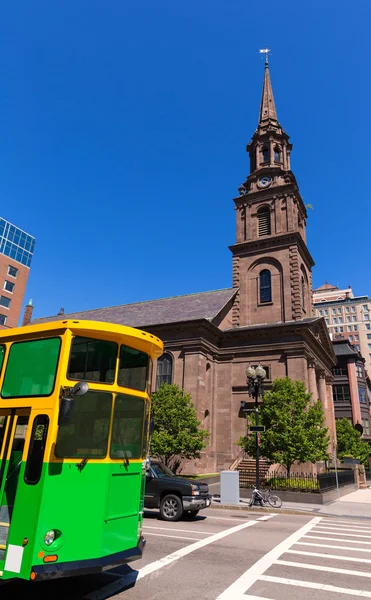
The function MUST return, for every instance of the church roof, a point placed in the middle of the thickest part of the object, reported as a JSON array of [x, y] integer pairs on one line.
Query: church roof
[[326, 286], [344, 348], [267, 106], [190, 307]]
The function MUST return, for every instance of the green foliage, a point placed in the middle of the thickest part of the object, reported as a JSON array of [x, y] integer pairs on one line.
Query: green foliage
[[177, 434], [305, 484], [350, 443], [294, 429]]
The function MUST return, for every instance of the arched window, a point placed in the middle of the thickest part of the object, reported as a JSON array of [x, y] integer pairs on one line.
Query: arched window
[[277, 154], [164, 370], [303, 292], [265, 286], [265, 152], [264, 221]]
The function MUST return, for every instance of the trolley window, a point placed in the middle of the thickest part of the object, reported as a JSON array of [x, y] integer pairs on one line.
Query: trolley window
[[86, 432], [36, 452], [31, 368], [133, 368], [92, 360], [127, 429]]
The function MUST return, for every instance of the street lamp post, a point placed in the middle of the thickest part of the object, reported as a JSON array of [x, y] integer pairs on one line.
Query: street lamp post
[[254, 380]]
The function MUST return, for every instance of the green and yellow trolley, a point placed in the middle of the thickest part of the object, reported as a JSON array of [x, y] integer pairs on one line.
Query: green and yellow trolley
[[74, 428]]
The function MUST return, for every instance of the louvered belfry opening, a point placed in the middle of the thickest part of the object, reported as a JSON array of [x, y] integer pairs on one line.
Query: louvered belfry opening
[[264, 221]]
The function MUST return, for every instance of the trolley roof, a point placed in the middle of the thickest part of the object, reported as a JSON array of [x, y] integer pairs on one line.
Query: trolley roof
[[82, 327]]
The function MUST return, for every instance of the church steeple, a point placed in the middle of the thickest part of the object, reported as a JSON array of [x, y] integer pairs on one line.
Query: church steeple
[[270, 145], [271, 262], [267, 106]]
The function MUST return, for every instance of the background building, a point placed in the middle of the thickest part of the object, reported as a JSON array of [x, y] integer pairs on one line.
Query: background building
[[265, 317], [351, 387], [346, 316], [16, 251]]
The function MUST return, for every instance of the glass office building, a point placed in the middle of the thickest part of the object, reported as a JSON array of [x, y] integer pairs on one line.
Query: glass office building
[[15, 243]]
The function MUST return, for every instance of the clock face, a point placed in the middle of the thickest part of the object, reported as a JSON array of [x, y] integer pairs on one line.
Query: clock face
[[264, 182]]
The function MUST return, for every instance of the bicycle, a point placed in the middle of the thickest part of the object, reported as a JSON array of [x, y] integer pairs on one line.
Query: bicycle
[[265, 498]]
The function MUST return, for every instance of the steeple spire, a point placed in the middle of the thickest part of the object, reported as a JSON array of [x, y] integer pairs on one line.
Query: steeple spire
[[267, 106]]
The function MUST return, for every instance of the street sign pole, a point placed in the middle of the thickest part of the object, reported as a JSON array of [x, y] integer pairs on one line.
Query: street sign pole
[[257, 437]]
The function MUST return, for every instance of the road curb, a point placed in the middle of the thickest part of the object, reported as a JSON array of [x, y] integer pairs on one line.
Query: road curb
[[285, 511], [257, 510]]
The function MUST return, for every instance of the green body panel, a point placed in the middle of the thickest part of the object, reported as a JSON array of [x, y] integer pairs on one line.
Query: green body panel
[[98, 508]]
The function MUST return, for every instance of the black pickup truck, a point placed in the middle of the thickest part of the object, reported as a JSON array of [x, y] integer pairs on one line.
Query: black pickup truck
[[174, 496]]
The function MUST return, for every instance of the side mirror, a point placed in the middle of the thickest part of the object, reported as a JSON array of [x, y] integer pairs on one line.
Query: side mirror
[[151, 427], [79, 389], [149, 475]]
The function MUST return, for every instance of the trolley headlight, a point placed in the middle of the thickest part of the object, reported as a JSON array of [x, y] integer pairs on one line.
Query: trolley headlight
[[49, 537], [195, 490]]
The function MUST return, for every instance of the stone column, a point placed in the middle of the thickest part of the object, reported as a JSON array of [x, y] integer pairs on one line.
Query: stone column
[[284, 157], [326, 409], [271, 153], [354, 398], [312, 381], [331, 411], [257, 155]]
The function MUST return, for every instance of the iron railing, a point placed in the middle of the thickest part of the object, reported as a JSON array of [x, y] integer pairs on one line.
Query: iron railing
[[298, 482], [327, 481]]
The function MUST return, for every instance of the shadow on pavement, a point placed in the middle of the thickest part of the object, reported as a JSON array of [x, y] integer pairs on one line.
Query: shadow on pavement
[[73, 588]]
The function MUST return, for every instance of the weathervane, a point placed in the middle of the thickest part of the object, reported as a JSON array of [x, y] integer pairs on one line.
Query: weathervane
[[265, 51]]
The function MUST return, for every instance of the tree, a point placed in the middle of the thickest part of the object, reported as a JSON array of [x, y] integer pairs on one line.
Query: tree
[[177, 434], [294, 429], [350, 443]]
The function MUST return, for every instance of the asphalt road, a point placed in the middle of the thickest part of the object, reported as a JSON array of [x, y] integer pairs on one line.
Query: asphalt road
[[231, 555]]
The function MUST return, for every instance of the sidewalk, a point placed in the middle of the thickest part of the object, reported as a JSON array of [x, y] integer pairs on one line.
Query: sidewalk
[[356, 504]]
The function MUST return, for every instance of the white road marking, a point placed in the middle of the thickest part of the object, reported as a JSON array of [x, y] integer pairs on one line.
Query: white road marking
[[341, 523], [347, 522], [331, 532], [288, 563], [244, 597], [333, 546], [316, 586], [112, 588], [244, 583], [334, 556], [185, 530], [177, 537], [265, 518], [331, 539], [341, 528], [227, 518]]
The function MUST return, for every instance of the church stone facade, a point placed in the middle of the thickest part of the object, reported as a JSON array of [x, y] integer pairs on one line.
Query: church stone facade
[[265, 317]]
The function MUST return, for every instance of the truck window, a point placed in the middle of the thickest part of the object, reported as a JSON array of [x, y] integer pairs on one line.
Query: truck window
[[133, 368], [31, 368], [92, 360], [86, 433], [127, 428], [36, 451]]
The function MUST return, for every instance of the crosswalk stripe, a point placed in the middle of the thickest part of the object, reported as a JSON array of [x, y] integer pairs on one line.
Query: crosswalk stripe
[[247, 579], [331, 539], [347, 522], [182, 530], [341, 528], [288, 563], [315, 586], [331, 532], [177, 537], [351, 548], [334, 556]]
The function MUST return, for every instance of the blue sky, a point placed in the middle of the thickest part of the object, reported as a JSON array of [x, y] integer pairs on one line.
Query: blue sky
[[123, 131]]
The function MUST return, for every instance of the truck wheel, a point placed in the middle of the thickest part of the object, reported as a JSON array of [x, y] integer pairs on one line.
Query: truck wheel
[[171, 508], [190, 514]]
